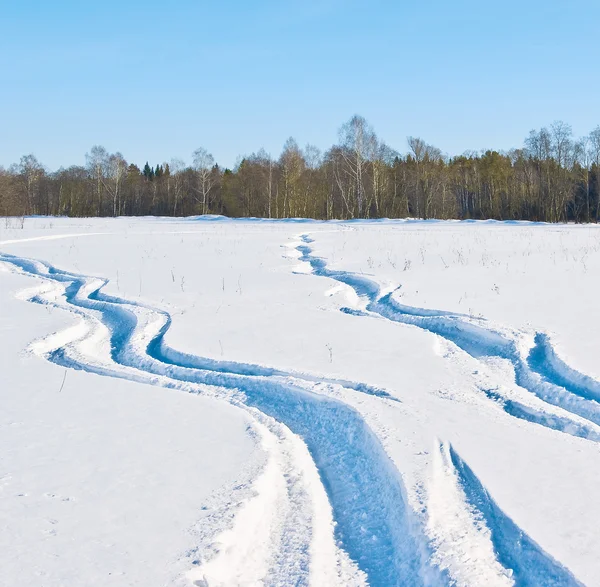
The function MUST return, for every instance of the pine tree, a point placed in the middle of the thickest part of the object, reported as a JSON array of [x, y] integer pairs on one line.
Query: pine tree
[[148, 172]]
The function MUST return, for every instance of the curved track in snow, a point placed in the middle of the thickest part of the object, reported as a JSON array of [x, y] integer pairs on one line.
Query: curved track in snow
[[340, 514], [539, 371], [474, 539], [373, 523]]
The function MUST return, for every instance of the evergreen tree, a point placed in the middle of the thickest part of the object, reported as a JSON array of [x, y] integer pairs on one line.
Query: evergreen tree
[[148, 172]]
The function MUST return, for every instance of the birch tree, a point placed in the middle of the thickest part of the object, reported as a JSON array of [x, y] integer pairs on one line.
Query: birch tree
[[117, 169], [203, 163], [30, 171], [359, 143]]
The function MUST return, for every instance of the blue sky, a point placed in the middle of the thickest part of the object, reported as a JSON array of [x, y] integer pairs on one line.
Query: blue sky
[[157, 80]]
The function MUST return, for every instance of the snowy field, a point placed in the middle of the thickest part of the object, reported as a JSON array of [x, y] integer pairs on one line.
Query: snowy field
[[218, 403]]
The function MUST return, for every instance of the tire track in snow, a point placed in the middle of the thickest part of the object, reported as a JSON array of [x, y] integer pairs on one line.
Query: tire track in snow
[[123, 324], [474, 539], [131, 327], [374, 524], [243, 554], [543, 360], [540, 372], [530, 565], [462, 541]]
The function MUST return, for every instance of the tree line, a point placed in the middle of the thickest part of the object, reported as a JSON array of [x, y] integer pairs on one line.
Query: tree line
[[553, 177]]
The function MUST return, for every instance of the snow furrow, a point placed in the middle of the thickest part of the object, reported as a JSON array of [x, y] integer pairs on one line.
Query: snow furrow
[[462, 540], [530, 566], [540, 372], [89, 295], [371, 520], [543, 360], [327, 474], [280, 512]]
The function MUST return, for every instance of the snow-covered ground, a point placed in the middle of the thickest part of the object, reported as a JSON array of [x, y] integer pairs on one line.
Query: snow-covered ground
[[215, 403]]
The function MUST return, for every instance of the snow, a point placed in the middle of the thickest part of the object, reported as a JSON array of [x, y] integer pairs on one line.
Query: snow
[[212, 402], [102, 481]]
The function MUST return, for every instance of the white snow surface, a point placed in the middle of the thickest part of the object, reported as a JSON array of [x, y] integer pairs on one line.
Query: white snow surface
[[212, 402]]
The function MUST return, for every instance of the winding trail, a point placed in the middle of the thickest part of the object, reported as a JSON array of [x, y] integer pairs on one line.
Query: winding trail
[[540, 372], [336, 484], [373, 523]]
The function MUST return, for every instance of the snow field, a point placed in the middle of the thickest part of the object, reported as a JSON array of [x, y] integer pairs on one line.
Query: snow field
[[346, 383]]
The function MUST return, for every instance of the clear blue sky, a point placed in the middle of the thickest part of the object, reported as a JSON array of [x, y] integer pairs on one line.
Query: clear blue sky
[[156, 80]]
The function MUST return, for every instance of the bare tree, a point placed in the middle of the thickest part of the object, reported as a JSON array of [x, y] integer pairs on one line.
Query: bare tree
[[292, 166], [175, 180], [594, 147], [359, 143], [30, 172], [312, 186], [312, 156], [383, 159], [562, 144], [117, 168], [97, 164], [426, 157], [203, 163]]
